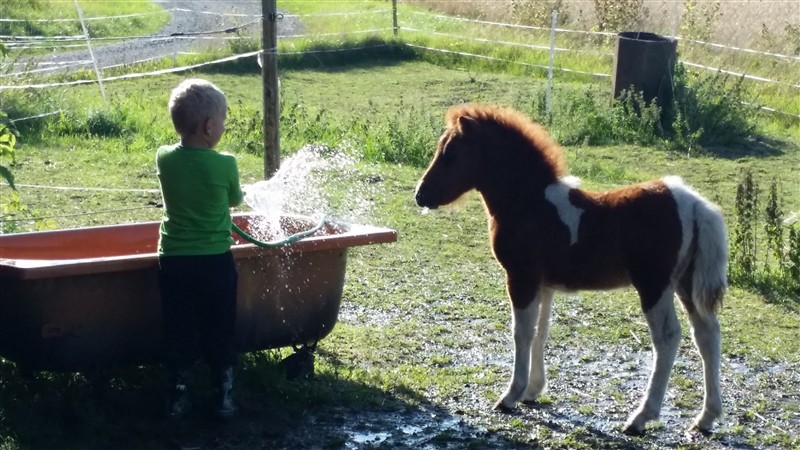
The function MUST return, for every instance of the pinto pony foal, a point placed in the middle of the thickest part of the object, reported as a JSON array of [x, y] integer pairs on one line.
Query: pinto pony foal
[[660, 236]]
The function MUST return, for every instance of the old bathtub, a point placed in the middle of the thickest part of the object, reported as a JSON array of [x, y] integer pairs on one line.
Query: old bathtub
[[87, 299]]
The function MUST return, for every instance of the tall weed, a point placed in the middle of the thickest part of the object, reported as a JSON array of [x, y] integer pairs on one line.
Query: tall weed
[[743, 238], [774, 268], [8, 142], [773, 228], [793, 258]]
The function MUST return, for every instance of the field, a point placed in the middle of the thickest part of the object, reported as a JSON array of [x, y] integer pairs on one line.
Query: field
[[744, 24], [423, 345], [52, 18]]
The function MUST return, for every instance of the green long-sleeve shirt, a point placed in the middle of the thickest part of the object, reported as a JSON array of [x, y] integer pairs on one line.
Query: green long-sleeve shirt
[[198, 187]]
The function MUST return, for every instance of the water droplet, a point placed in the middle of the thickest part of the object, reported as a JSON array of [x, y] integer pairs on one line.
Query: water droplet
[[304, 186]]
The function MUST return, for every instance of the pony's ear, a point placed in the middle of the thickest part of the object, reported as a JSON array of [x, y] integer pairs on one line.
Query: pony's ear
[[467, 124]]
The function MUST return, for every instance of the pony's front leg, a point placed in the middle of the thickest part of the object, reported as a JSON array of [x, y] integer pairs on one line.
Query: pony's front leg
[[537, 382], [525, 310]]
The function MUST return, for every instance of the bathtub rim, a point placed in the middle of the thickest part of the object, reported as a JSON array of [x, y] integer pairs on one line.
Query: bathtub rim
[[30, 269]]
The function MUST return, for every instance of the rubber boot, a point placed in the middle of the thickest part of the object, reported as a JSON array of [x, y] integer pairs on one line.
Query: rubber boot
[[225, 409], [178, 404]]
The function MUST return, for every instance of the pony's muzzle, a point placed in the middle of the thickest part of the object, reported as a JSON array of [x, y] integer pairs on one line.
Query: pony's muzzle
[[428, 196]]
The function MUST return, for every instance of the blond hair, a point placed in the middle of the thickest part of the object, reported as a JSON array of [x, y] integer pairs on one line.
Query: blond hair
[[194, 101]]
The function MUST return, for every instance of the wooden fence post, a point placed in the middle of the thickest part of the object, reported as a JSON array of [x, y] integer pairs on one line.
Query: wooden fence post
[[394, 17], [548, 93], [269, 78]]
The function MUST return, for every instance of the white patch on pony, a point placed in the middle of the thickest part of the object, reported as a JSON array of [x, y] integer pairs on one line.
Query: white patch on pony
[[558, 194], [571, 181]]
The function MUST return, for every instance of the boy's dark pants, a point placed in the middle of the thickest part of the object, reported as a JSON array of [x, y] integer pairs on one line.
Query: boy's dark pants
[[198, 296]]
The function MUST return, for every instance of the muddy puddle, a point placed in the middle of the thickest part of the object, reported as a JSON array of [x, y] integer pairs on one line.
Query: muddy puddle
[[412, 428]]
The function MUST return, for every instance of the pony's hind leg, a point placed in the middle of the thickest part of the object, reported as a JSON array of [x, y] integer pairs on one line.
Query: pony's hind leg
[[537, 383], [525, 310], [706, 336], [665, 331]]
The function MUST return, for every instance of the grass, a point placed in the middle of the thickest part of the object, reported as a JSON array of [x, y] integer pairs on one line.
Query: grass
[[425, 321], [415, 94], [31, 12], [415, 279]]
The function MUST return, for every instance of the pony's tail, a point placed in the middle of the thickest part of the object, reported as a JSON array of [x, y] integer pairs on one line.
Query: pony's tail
[[710, 259], [705, 263]]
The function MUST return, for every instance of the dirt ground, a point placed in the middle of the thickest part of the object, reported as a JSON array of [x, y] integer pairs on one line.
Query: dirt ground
[[591, 391]]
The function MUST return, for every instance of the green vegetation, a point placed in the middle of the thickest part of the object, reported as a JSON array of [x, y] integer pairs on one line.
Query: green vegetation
[[770, 264], [8, 140], [419, 309], [30, 12], [10, 202], [698, 20]]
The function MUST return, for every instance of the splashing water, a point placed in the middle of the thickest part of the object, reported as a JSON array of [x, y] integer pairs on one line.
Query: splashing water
[[305, 185]]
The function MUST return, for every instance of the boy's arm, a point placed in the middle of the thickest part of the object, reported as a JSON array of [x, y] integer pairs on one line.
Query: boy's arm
[[235, 195]]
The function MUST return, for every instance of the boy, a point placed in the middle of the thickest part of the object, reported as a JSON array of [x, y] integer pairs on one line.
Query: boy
[[197, 274]]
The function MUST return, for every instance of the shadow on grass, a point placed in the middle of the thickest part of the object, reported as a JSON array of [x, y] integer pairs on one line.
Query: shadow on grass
[[371, 52], [783, 295], [756, 147], [124, 409]]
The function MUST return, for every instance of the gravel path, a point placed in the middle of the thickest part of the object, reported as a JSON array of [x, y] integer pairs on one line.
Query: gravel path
[[201, 17]]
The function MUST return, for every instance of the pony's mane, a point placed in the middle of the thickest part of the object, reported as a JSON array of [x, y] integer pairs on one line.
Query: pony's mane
[[514, 120]]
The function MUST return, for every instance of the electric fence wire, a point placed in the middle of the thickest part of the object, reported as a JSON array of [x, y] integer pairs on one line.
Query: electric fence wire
[[202, 35], [80, 214], [605, 34]]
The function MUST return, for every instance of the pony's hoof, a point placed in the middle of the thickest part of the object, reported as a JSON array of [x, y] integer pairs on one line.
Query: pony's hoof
[[502, 408], [693, 433], [704, 422], [632, 430], [696, 427]]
